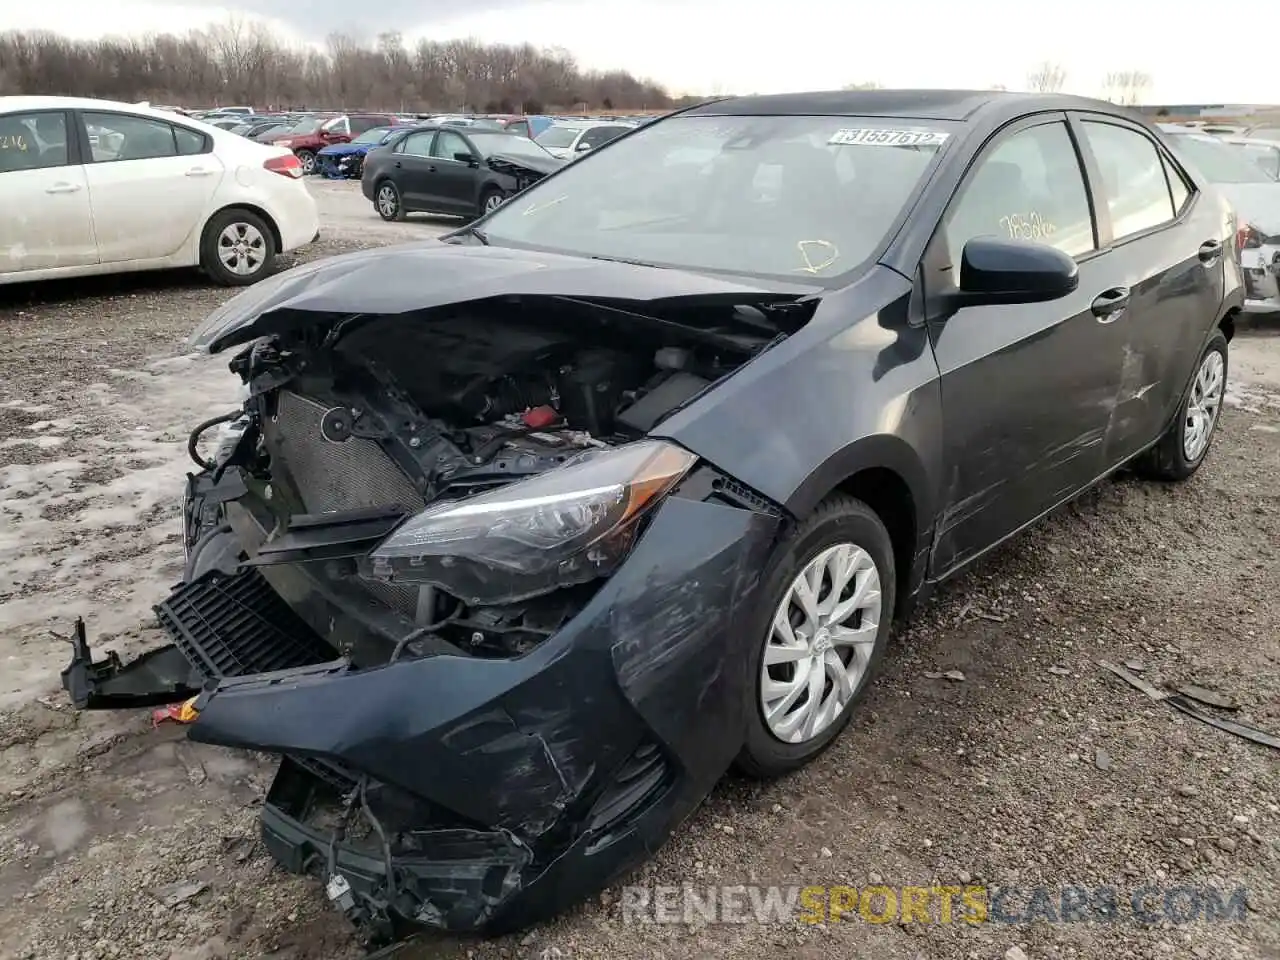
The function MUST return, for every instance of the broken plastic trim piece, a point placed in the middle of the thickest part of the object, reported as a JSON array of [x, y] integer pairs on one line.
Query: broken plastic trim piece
[[156, 678]]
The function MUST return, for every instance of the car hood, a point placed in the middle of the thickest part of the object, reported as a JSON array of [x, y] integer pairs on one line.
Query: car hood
[[1255, 203], [504, 161], [342, 149], [421, 276]]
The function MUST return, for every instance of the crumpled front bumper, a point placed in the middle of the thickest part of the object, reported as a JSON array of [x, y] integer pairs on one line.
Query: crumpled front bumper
[[501, 791], [1261, 269]]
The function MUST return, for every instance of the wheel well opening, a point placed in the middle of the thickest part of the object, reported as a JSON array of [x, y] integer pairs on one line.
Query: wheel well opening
[[889, 496], [258, 212], [1228, 325]]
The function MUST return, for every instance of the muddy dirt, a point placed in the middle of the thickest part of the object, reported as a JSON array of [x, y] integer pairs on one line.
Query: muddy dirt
[[1038, 769]]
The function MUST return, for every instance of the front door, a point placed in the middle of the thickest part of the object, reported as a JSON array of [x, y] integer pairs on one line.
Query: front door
[[1026, 388], [455, 180], [149, 194], [45, 220]]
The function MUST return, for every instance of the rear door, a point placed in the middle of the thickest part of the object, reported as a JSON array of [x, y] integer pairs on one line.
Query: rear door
[[150, 185], [413, 170], [45, 220], [1025, 387], [1167, 241]]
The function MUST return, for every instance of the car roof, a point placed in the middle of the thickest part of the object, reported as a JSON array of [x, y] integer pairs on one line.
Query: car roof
[[25, 103], [916, 104]]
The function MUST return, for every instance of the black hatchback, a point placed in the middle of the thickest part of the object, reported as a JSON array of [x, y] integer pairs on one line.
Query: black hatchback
[[524, 537]]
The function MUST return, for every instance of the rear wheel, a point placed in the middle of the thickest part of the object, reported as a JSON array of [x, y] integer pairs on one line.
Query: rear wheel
[[237, 248], [828, 603], [386, 198], [308, 161], [1185, 444]]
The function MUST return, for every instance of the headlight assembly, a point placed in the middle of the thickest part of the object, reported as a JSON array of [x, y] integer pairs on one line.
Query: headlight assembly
[[563, 527]]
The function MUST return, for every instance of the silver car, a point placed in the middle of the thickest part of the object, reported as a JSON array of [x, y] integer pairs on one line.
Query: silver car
[[1255, 195]]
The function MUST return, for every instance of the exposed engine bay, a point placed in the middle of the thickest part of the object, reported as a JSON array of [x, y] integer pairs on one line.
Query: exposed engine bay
[[348, 430]]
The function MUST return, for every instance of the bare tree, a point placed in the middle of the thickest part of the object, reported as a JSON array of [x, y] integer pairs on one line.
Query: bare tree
[[1049, 77], [1126, 87], [866, 85], [240, 61]]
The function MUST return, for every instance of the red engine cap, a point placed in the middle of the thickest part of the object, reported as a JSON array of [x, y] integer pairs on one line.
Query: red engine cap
[[539, 417]]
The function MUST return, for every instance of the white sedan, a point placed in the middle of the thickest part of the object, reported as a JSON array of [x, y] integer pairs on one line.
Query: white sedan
[[93, 186]]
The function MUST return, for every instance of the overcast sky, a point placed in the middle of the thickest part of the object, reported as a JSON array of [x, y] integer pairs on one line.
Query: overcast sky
[[728, 46]]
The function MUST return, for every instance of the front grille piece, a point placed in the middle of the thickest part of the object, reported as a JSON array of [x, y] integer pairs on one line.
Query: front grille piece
[[238, 625]]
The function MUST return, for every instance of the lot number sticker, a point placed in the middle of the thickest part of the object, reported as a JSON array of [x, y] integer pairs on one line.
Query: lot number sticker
[[889, 138]]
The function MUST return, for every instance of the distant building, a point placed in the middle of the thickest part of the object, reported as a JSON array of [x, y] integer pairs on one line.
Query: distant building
[[1207, 110]]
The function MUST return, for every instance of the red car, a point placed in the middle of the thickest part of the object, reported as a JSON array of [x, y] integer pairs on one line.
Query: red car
[[312, 134]]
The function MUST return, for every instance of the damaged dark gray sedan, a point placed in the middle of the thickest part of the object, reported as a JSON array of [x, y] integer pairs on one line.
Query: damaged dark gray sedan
[[521, 539]]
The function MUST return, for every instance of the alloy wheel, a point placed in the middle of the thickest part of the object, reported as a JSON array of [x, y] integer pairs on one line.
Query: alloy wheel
[[242, 249], [820, 643], [387, 200], [492, 202], [1203, 406]]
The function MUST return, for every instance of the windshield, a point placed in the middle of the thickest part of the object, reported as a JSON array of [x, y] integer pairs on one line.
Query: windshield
[[555, 136], [1218, 161], [372, 136], [791, 196], [309, 125], [508, 143]]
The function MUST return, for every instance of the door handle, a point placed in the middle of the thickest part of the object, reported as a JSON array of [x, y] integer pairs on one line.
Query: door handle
[[198, 172], [1110, 304], [398, 165], [431, 169], [63, 188], [1210, 251]]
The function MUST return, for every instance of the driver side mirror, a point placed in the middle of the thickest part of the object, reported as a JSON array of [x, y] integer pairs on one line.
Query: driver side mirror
[[467, 158], [582, 146], [996, 271]]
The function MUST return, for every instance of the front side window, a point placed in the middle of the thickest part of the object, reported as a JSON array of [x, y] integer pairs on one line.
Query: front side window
[[597, 136], [795, 197], [448, 145], [373, 135], [32, 141], [1132, 176], [1027, 187], [520, 127]]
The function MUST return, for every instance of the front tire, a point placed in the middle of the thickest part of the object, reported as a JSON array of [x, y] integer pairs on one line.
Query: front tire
[[1184, 446], [237, 248], [490, 200], [386, 200], [827, 606]]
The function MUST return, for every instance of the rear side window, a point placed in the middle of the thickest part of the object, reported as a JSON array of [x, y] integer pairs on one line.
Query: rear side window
[[121, 136], [1028, 186], [32, 141], [520, 127], [1133, 176], [416, 144]]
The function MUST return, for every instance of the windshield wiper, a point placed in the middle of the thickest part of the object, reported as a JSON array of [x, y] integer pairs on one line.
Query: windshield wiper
[[479, 235], [634, 263]]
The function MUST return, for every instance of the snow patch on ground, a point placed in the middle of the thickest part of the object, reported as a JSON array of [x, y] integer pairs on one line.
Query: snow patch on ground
[[96, 532]]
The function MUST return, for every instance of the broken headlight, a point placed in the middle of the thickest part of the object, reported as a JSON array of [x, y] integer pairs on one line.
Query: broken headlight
[[563, 527]]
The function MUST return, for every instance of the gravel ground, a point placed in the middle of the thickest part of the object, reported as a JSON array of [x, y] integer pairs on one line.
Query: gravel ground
[[1036, 769]]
